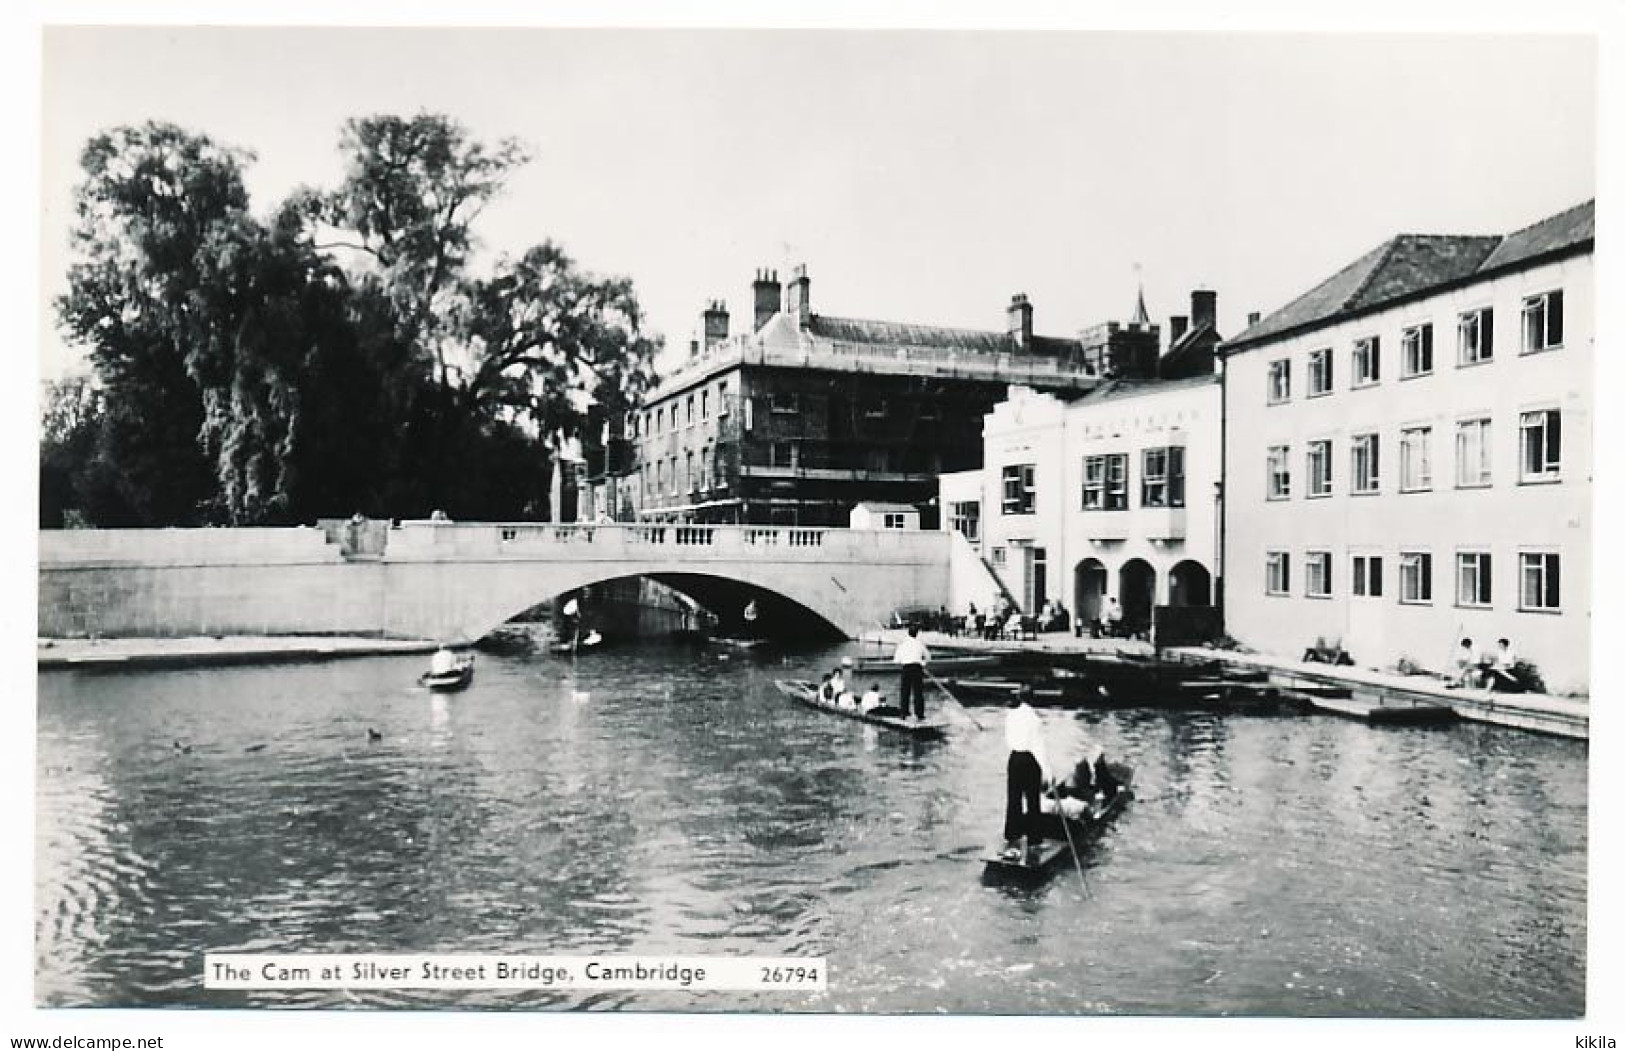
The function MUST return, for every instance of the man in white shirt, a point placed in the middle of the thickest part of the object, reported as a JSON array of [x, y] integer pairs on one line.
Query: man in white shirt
[[912, 655], [1024, 772]]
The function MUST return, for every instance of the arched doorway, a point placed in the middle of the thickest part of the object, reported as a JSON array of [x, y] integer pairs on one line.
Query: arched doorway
[[1088, 590], [1137, 591], [1189, 584]]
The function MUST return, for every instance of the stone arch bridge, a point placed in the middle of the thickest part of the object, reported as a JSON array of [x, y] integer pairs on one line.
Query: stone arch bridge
[[457, 581]]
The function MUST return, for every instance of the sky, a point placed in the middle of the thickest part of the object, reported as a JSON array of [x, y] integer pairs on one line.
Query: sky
[[920, 176]]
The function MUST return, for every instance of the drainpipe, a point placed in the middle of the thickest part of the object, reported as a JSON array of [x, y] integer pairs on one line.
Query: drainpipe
[[1219, 495]]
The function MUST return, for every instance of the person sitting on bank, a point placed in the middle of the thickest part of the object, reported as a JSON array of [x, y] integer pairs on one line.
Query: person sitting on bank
[[1465, 673], [1024, 774], [1500, 672]]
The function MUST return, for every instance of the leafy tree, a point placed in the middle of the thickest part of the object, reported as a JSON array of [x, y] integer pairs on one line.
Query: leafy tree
[[340, 355], [155, 202]]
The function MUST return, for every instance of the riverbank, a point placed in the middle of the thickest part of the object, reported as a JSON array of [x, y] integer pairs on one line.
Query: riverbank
[[70, 654], [1561, 716]]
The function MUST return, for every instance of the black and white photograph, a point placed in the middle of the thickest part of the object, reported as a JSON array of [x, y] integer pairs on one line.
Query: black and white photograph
[[755, 520]]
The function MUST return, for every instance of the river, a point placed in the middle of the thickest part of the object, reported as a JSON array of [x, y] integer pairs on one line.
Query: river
[[667, 800]]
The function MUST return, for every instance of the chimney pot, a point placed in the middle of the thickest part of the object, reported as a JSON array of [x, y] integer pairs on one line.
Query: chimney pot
[[1019, 321], [1178, 324], [1253, 318], [1204, 308], [766, 296]]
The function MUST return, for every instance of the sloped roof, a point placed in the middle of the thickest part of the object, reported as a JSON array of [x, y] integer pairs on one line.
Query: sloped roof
[[1410, 265], [882, 507], [858, 330], [1114, 390]]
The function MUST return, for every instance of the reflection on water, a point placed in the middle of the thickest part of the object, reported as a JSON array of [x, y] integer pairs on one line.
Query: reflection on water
[[668, 801]]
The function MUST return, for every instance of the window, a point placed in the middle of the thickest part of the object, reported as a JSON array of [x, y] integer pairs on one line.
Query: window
[[1367, 362], [1543, 322], [998, 556], [1317, 574], [1473, 453], [782, 402], [1475, 337], [1540, 440], [1415, 464], [722, 398], [1320, 468], [1415, 577], [895, 520], [1364, 467], [1280, 388], [1018, 489], [1279, 481], [1162, 477], [873, 408], [690, 417], [1537, 576], [688, 470], [1416, 351], [660, 419], [1472, 578], [1277, 573], [965, 518], [705, 405], [1320, 372], [705, 468], [1105, 482], [781, 454], [1367, 576]]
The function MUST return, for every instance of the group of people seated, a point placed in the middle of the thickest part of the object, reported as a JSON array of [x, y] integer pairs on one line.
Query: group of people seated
[[1091, 780], [1487, 670], [837, 689]]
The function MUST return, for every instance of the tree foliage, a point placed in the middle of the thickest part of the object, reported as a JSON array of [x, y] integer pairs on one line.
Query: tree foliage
[[342, 353]]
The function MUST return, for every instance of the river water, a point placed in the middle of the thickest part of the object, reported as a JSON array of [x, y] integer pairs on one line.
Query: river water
[[668, 801]]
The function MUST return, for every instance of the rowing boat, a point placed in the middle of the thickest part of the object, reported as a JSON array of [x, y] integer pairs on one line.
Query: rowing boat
[[451, 681], [1060, 836], [806, 693]]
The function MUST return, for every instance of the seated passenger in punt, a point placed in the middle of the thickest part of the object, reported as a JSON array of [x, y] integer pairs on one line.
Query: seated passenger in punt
[[874, 703]]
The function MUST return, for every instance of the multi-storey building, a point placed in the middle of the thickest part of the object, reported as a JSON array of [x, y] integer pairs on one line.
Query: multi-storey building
[[1111, 493], [1408, 454], [805, 415]]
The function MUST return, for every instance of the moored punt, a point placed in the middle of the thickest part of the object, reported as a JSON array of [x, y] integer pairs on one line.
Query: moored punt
[[451, 681], [806, 693], [1060, 837], [1403, 713], [938, 665]]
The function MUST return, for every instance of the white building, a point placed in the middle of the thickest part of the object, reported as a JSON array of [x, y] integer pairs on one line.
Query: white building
[[874, 514], [1109, 494], [1408, 455]]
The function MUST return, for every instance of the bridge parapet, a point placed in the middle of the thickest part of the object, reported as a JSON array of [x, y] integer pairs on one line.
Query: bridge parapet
[[436, 541]]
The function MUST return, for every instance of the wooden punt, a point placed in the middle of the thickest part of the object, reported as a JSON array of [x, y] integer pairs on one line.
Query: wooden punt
[[806, 693]]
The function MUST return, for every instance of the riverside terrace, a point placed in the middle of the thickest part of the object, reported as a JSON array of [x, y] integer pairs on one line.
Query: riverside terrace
[[456, 581]]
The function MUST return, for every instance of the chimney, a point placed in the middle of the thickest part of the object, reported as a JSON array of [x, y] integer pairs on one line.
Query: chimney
[[1252, 318], [716, 323], [1205, 308], [768, 296], [1177, 324], [1020, 321], [693, 348], [800, 298]]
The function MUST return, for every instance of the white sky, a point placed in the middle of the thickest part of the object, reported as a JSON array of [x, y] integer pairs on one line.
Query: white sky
[[921, 176]]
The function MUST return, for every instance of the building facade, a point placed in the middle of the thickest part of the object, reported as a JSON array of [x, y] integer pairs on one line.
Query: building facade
[[1408, 455], [1111, 494], [805, 415]]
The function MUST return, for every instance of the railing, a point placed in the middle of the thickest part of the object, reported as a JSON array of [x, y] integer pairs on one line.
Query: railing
[[440, 540]]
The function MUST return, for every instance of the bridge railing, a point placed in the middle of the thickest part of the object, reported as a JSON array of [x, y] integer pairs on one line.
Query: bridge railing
[[522, 540]]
